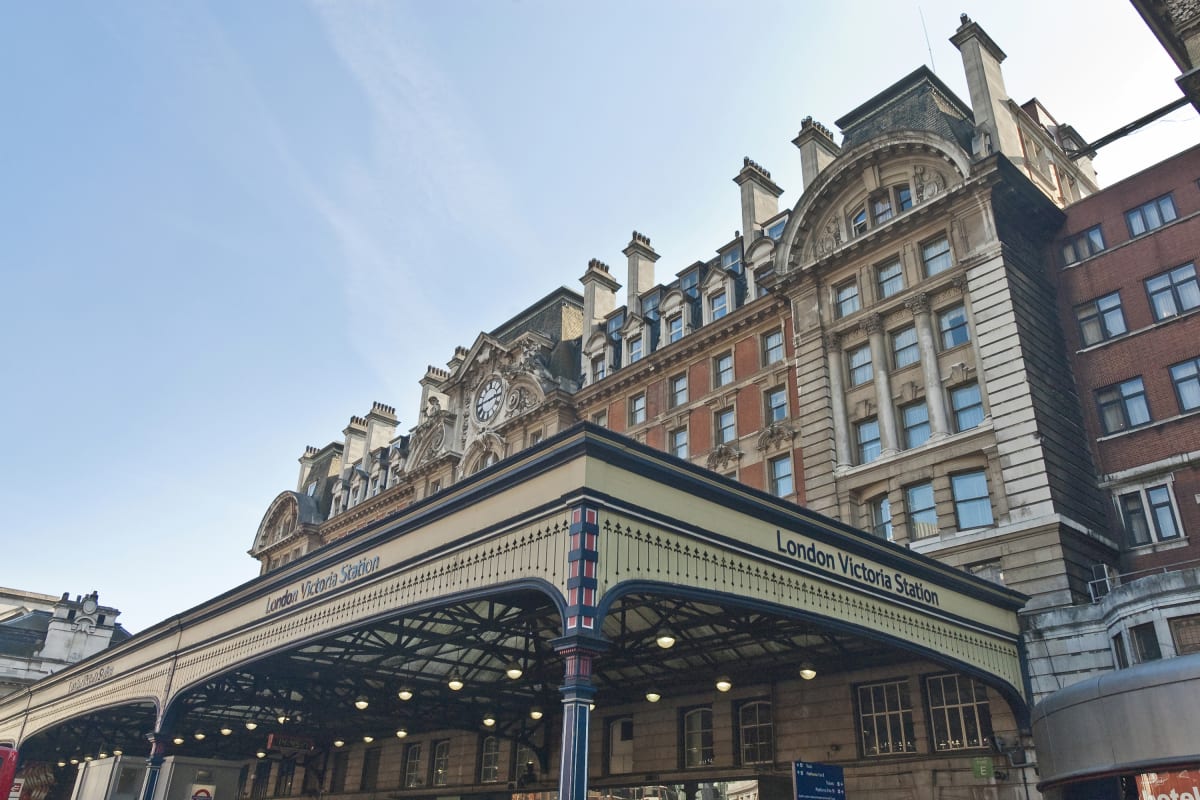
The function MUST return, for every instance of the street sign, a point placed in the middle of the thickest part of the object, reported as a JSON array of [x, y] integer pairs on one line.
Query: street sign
[[982, 767], [813, 781]]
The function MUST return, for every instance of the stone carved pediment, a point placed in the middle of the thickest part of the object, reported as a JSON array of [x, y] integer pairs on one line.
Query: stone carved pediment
[[775, 435], [722, 455]]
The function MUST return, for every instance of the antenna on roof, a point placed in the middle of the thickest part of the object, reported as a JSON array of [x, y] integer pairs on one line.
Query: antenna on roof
[[927, 47]]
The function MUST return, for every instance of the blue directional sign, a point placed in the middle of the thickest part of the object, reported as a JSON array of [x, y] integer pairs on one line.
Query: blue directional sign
[[814, 781]]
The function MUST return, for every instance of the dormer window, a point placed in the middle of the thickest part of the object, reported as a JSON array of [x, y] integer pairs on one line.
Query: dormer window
[[675, 328], [718, 305], [731, 260], [598, 370], [688, 284], [635, 349], [775, 231]]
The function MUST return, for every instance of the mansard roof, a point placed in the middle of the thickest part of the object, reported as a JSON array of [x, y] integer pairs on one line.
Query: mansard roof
[[542, 317], [919, 101]]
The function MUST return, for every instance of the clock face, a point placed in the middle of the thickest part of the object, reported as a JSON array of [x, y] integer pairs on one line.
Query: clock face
[[488, 401]]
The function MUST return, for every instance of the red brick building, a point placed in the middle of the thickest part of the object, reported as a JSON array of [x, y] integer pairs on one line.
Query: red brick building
[[1130, 304]]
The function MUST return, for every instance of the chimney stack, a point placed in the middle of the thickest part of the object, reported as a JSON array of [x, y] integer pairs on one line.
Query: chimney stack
[[641, 269], [817, 149], [760, 199], [599, 299], [995, 128]]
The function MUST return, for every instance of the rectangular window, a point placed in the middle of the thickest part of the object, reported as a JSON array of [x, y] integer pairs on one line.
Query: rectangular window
[[881, 517], [953, 326], [1149, 515], [679, 442], [959, 715], [370, 770], [637, 409], [904, 347], [1173, 292], [858, 222], [441, 763], [675, 328], [1185, 631], [881, 208], [287, 773], [772, 347], [1123, 405], [776, 404], [935, 255], [867, 436], [1186, 377], [1148, 216], [781, 476], [598, 369], [697, 738], [860, 365], [413, 776], [756, 732], [1082, 245], [921, 510], [717, 306], [731, 260], [600, 418], [903, 197], [885, 718], [1118, 643], [722, 370], [635, 349], [724, 427], [776, 230], [846, 299], [679, 389], [889, 278], [915, 418], [1145, 642], [1101, 319], [967, 406], [337, 778], [972, 506]]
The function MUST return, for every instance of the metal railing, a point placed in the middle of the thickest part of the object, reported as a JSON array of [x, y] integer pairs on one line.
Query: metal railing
[[1100, 587]]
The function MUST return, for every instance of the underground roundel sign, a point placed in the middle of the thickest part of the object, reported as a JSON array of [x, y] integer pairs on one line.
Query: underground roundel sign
[[201, 792]]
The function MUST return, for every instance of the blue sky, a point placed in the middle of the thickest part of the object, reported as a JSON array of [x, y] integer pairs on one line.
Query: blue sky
[[229, 226]]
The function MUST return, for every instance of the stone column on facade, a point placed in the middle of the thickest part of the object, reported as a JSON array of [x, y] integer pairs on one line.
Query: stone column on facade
[[873, 325], [935, 399], [158, 745], [837, 392]]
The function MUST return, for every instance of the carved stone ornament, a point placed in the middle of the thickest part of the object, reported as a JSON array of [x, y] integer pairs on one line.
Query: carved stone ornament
[[918, 304], [928, 183], [777, 434], [721, 455], [873, 323], [830, 238]]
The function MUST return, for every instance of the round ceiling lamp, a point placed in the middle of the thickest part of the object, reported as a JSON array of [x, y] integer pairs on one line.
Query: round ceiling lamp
[[665, 639]]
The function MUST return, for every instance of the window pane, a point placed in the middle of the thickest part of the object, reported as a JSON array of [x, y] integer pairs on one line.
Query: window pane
[[916, 424], [868, 441], [860, 365], [936, 256], [904, 347], [1186, 377], [847, 299], [968, 407], [953, 325], [971, 502]]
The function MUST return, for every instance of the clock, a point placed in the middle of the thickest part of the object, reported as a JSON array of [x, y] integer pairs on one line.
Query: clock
[[487, 402], [89, 606]]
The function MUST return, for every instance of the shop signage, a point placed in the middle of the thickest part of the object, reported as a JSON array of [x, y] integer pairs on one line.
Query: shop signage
[[316, 585], [279, 741], [844, 564], [1181, 785], [812, 781], [201, 791]]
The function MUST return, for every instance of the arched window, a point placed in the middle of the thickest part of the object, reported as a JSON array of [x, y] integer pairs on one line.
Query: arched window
[[756, 731], [698, 738], [489, 761]]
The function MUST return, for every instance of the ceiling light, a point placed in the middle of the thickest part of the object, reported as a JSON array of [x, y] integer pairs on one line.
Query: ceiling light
[[62, 763], [401, 733], [535, 712], [251, 725], [361, 703], [807, 670], [74, 760], [225, 731], [724, 684], [514, 671], [489, 719], [653, 696], [368, 738], [199, 736], [591, 706], [405, 693], [261, 754], [455, 682], [665, 639], [118, 751], [102, 754], [339, 743], [282, 718], [178, 740], [89, 758]]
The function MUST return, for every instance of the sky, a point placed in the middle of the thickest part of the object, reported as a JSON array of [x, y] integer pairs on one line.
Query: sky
[[229, 226]]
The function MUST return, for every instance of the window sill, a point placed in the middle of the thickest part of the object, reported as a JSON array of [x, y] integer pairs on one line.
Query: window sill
[[1130, 334], [1158, 423], [1158, 547]]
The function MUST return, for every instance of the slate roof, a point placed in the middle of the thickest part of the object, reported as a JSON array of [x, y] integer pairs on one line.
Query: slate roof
[[918, 101]]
